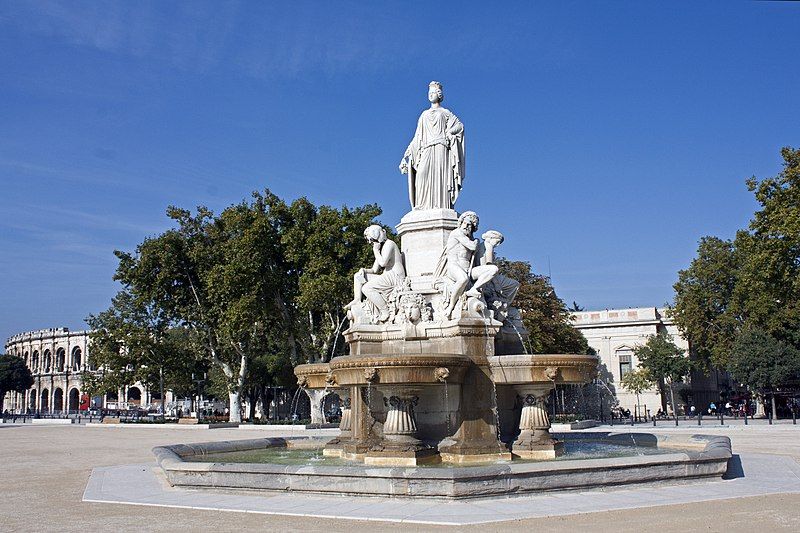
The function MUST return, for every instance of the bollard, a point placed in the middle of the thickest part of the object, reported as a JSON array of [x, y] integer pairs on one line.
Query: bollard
[[794, 417], [631, 419], [700, 419], [722, 419], [745, 418], [676, 420], [654, 421]]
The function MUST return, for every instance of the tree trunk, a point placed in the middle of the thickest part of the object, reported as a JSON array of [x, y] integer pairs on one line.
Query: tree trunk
[[672, 401], [317, 397], [772, 401], [161, 389], [235, 409]]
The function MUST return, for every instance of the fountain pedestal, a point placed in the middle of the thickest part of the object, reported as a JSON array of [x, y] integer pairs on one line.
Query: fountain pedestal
[[400, 445], [534, 440], [335, 448]]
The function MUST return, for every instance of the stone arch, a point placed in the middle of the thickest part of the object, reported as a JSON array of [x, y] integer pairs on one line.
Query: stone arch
[[112, 397], [35, 360], [32, 399], [74, 401], [26, 358], [44, 403], [47, 359], [58, 399], [61, 357], [76, 359], [134, 396]]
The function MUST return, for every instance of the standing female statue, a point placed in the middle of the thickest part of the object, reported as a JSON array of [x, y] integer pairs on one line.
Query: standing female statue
[[434, 160]]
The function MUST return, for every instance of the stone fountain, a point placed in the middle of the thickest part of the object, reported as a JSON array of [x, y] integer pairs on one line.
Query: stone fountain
[[436, 346], [437, 371]]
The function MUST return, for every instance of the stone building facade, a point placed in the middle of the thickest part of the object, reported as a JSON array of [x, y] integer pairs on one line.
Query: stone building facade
[[614, 333], [58, 359]]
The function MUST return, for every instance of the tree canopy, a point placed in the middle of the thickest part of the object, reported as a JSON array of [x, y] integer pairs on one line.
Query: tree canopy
[[742, 295], [544, 314], [263, 283], [14, 376], [762, 362]]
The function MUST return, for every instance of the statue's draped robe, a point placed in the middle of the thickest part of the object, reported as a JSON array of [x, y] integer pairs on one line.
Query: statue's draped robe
[[436, 160]]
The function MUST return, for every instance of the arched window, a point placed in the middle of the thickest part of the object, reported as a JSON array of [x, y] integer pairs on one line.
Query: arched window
[[60, 359], [134, 396], [58, 400], [35, 361], [44, 404], [625, 356], [26, 358], [74, 400], [77, 359], [48, 361]]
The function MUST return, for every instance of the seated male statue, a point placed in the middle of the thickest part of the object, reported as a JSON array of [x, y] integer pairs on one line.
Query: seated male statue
[[466, 260], [375, 285]]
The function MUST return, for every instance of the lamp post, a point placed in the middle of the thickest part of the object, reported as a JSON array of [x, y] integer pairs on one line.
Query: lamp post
[[199, 382]]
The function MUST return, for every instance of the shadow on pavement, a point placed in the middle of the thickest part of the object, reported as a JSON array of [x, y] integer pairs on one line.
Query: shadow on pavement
[[735, 469]]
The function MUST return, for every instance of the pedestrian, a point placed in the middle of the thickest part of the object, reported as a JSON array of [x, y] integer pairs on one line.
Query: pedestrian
[[691, 411]]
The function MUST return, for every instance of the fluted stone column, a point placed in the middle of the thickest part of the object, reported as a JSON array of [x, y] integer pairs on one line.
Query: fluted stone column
[[400, 445], [400, 425], [534, 440]]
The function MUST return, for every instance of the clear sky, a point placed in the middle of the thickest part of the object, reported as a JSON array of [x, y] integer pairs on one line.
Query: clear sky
[[603, 139]]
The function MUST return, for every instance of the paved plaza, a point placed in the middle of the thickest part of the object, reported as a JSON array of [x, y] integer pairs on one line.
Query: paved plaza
[[50, 470]]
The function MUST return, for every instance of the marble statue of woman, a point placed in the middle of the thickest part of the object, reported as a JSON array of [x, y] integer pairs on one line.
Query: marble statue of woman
[[434, 160]]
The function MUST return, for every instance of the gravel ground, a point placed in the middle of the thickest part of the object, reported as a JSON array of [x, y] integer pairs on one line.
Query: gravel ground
[[46, 468]]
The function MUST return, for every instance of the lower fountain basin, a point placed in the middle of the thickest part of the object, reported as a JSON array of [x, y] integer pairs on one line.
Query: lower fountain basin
[[685, 457]]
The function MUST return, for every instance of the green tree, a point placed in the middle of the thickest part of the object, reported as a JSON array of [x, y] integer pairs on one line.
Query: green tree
[[752, 283], [134, 341], [262, 281], [767, 294], [665, 362], [763, 362], [325, 247], [703, 296], [544, 314], [637, 381], [15, 376]]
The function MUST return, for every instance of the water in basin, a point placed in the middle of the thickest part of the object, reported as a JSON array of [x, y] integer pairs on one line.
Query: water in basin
[[575, 448]]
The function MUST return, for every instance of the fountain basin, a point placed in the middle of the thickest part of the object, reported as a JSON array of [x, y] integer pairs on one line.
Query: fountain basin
[[313, 375], [400, 369], [545, 369], [696, 456]]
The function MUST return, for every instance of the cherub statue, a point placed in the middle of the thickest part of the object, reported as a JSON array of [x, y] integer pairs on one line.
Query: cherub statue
[[376, 284]]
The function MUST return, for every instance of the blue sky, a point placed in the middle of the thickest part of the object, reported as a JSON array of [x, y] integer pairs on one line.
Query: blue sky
[[603, 139]]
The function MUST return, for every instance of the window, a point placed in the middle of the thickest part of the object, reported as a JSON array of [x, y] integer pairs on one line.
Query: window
[[624, 355]]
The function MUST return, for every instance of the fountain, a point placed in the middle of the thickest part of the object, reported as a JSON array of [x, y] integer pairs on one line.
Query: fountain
[[430, 317]]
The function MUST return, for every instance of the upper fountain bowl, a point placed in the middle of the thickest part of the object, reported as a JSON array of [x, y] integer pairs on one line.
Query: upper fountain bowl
[[355, 370], [525, 369]]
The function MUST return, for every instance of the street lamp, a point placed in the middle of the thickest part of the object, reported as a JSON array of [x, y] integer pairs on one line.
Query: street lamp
[[199, 382]]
